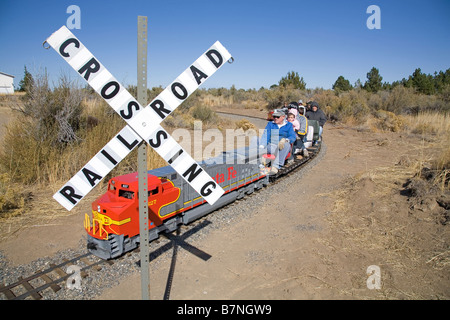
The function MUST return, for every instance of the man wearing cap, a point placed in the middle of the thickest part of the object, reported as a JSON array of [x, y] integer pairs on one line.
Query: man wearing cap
[[278, 136]]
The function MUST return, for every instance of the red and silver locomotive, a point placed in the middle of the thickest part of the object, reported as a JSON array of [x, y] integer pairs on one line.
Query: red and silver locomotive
[[113, 227]]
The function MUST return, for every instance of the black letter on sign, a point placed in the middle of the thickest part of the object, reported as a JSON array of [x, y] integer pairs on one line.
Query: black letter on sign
[[113, 93], [69, 193], [91, 176], [125, 143], [206, 192], [108, 156], [217, 55], [158, 106], [175, 156], [198, 75], [174, 87], [192, 173], [158, 139], [65, 44], [129, 115], [92, 66]]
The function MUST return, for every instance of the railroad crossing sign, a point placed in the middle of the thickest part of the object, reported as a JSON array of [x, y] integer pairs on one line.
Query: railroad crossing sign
[[143, 123]]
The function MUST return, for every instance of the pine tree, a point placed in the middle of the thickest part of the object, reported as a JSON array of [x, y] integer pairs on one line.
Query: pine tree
[[293, 79], [422, 82], [342, 84], [27, 82], [373, 83]]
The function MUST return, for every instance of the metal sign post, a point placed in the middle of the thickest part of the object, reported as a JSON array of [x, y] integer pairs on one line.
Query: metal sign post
[[142, 160]]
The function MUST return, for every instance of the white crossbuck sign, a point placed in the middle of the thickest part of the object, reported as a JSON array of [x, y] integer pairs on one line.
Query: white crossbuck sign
[[143, 123]]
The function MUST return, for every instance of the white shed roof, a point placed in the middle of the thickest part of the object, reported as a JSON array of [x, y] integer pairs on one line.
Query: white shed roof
[[6, 74]]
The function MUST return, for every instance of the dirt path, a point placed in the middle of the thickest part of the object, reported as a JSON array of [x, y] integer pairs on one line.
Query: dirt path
[[278, 254]]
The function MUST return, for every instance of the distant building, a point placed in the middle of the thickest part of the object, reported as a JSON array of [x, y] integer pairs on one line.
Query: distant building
[[6, 83]]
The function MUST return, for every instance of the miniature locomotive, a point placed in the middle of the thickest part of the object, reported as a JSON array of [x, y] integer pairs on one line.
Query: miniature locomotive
[[113, 227]]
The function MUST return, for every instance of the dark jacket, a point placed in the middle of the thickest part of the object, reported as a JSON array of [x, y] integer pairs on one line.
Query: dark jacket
[[318, 115]]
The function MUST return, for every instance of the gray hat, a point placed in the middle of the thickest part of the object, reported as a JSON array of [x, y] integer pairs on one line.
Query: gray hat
[[303, 108], [300, 101], [278, 113]]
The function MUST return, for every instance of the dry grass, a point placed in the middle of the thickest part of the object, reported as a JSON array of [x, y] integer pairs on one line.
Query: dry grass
[[407, 236], [375, 222], [412, 254], [429, 123], [432, 131], [12, 197], [213, 101], [41, 211], [386, 121], [435, 129]]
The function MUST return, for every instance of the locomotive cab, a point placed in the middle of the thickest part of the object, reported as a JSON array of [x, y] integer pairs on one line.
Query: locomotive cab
[[114, 211], [117, 211]]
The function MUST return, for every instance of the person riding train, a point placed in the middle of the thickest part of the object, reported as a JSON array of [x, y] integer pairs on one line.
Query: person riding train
[[301, 132], [300, 124], [278, 137], [317, 114]]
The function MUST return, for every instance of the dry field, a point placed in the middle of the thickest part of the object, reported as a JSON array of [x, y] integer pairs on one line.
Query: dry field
[[380, 196]]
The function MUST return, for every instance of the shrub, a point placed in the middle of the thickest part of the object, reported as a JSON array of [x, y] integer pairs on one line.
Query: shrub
[[55, 114], [48, 122], [277, 96], [11, 199], [245, 125], [387, 121], [203, 113], [55, 133], [24, 154], [401, 99], [179, 119], [352, 104]]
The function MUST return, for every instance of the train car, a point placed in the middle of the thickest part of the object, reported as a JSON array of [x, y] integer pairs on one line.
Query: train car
[[113, 225]]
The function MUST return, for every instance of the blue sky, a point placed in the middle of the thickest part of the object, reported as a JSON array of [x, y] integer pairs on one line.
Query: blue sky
[[320, 40]]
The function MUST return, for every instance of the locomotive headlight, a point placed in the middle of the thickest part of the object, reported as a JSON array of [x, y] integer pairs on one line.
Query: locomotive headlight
[[98, 208]]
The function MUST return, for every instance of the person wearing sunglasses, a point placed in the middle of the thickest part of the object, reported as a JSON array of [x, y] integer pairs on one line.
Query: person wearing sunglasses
[[278, 137]]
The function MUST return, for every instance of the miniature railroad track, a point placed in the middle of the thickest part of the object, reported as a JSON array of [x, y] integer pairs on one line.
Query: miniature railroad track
[[37, 283], [313, 152]]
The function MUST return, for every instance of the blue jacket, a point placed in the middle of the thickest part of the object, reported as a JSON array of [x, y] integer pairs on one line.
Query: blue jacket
[[273, 134]]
